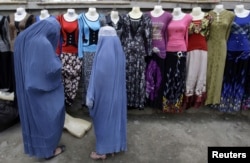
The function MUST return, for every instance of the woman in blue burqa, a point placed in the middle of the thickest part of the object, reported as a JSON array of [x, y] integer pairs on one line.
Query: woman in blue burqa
[[39, 89], [106, 95]]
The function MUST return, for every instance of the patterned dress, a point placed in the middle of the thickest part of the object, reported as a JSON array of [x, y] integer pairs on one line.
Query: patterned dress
[[195, 93], [156, 62], [237, 67], [174, 76], [117, 26], [137, 42], [68, 52], [217, 51]]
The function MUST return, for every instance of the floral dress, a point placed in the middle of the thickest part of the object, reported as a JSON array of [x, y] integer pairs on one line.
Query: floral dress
[[137, 42]]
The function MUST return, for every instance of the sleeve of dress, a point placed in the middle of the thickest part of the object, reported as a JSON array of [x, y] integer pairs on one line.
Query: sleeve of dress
[[59, 46], [80, 36], [187, 32], [232, 15], [148, 34], [6, 30], [30, 21], [43, 69]]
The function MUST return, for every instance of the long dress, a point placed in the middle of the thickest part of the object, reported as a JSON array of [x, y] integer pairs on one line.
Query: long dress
[[175, 69], [106, 95], [68, 53], [195, 93], [137, 44], [217, 51], [156, 62], [237, 65], [39, 88], [88, 37]]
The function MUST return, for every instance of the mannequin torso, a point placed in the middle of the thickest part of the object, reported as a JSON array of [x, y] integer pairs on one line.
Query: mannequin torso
[[158, 11], [92, 14], [44, 14], [135, 13], [20, 14], [178, 14], [197, 13], [114, 15], [219, 8], [240, 11], [70, 15]]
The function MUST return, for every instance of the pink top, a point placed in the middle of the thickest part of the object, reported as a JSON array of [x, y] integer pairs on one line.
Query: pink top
[[178, 34]]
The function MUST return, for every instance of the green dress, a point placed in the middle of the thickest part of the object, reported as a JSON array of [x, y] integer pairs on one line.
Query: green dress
[[217, 50]]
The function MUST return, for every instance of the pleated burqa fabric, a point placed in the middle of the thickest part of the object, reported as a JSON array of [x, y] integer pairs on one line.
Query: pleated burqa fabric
[[39, 88], [106, 95]]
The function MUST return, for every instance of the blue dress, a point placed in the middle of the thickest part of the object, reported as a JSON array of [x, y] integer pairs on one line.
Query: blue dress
[[236, 67], [39, 88], [106, 95]]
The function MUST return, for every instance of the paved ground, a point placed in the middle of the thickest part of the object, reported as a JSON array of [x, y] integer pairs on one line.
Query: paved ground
[[152, 138]]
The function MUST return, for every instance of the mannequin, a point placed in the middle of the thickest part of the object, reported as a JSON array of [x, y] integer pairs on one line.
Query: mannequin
[[92, 14], [44, 14], [135, 13], [219, 8], [240, 11], [197, 13], [158, 11], [177, 13], [71, 15], [20, 14], [114, 15]]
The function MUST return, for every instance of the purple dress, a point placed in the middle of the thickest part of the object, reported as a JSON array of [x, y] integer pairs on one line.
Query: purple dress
[[156, 62]]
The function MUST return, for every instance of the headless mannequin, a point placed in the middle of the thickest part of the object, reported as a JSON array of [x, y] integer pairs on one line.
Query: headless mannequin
[[44, 14], [135, 13], [20, 14], [219, 8], [70, 16], [158, 11], [240, 11], [92, 14], [178, 14], [197, 13], [114, 15]]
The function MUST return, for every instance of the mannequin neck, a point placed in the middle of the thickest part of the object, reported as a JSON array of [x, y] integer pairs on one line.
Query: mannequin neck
[[177, 13], [135, 13], [70, 15], [92, 14], [219, 8], [197, 13], [114, 15], [158, 11], [20, 14], [240, 11], [44, 14]]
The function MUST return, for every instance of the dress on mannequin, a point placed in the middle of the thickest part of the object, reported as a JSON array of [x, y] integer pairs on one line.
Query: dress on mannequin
[[156, 63], [177, 13], [197, 13], [135, 13], [240, 11], [217, 51], [70, 15]]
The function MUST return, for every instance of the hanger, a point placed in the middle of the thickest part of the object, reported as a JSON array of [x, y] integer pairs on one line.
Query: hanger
[[159, 2]]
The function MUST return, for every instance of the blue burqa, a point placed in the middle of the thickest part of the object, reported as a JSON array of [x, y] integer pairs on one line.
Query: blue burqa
[[106, 95], [39, 87]]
